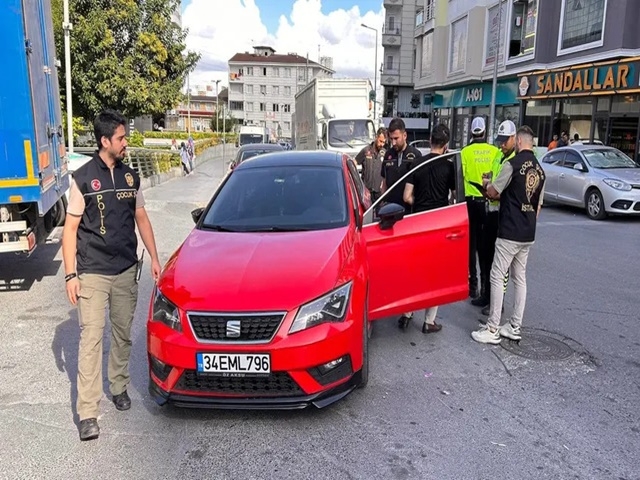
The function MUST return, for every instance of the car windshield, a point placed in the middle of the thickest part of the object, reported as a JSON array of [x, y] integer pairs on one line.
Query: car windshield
[[246, 138], [247, 154], [350, 133], [608, 159], [280, 198]]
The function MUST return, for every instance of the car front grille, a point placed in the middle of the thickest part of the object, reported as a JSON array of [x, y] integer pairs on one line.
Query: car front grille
[[277, 384], [253, 327]]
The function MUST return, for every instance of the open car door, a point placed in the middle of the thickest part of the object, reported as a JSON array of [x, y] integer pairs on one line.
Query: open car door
[[420, 260]]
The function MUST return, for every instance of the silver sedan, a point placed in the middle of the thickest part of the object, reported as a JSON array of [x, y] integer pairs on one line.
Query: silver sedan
[[601, 179]]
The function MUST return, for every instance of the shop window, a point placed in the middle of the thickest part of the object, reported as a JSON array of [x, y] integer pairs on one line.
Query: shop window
[[458, 47], [538, 116], [581, 25], [522, 37]]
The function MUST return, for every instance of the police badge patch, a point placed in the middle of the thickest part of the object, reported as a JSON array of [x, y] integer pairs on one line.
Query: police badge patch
[[129, 178]]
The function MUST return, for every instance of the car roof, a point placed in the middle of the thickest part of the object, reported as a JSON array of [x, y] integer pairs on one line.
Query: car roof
[[589, 146], [316, 158], [260, 146]]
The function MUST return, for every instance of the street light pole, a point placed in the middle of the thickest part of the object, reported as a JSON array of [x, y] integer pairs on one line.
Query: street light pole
[[375, 76], [188, 106], [492, 111], [217, 109], [67, 26]]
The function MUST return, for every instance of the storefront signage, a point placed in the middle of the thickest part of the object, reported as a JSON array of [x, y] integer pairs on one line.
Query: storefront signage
[[477, 95], [601, 79]]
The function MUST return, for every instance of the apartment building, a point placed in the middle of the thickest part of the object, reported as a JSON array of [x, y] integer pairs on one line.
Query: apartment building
[[263, 84], [396, 73]]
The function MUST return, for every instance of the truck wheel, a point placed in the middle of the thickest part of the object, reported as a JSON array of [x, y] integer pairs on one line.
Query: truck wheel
[[55, 217]]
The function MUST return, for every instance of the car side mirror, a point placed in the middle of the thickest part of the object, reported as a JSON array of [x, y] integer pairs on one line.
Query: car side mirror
[[579, 167], [389, 214], [196, 214]]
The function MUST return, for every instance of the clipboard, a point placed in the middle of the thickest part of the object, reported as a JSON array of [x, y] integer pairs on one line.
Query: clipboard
[[139, 267]]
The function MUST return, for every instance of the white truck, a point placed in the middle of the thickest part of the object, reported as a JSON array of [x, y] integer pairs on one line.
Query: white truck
[[334, 114], [252, 134]]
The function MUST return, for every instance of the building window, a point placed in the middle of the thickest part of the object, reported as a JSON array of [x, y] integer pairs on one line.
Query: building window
[[235, 105], [249, 90], [276, 107], [522, 38], [263, 106], [249, 70], [493, 46], [276, 71], [301, 72], [276, 90], [391, 25], [287, 72], [286, 108], [389, 66], [582, 24], [457, 58], [248, 107], [419, 18], [287, 125], [263, 89], [427, 55], [264, 71], [287, 90]]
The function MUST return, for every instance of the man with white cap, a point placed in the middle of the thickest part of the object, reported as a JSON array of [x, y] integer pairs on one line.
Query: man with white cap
[[507, 140], [477, 158]]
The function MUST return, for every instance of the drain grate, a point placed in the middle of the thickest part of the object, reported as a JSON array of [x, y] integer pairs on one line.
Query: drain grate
[[538, 346]]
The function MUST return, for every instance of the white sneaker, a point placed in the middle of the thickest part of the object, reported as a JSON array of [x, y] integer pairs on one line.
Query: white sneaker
[[509, 331], [484, 335]]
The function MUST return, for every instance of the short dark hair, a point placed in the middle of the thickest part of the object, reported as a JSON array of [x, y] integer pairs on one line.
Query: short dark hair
[[440, 135], [576, 136], [381, 131], [106, 124], [396, 124], [525, 132]]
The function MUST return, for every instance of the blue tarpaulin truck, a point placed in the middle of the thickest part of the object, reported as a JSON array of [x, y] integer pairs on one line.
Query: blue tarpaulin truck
[[33, 160]]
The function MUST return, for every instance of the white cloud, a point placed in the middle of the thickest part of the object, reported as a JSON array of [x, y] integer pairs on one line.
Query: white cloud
[[217, 33]]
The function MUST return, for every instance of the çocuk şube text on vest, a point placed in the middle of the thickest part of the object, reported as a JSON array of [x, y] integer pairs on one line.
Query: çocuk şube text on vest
[[107, 241], [519, 201]]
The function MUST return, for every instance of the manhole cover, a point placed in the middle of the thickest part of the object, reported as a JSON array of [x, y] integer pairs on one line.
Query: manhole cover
[[537, 346]]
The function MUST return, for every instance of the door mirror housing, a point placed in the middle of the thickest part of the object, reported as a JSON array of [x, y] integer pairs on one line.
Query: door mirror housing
[[579, 167], [389, 214], [196, 214]]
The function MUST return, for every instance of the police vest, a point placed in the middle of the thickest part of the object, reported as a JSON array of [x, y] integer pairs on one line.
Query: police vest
[[494, 205], [477, 159], [519, 201], [107, 241], [396, 165]]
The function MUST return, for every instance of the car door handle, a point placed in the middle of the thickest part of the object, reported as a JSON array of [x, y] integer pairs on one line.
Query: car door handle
[[455, 235], [562, 175]]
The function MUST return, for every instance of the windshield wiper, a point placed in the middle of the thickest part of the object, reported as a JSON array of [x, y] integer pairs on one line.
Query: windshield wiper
[[343, 141], [218, 228]]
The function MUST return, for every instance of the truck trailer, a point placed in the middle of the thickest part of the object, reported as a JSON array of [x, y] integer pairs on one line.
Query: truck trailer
[[33, 160]]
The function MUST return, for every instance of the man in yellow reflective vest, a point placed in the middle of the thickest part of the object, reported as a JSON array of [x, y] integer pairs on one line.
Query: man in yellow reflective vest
[[477, 159], [507, 140]]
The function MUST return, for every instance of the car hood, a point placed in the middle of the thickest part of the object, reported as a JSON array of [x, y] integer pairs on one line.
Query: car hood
[[224, 271], [629, 175]]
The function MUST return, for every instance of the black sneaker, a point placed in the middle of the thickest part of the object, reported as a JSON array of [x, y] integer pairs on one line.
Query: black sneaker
[[89, 429], [404, 320], [122, 401], [480, 302]]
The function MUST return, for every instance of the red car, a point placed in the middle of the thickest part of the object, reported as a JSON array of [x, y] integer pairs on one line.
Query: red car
[[268, 302]]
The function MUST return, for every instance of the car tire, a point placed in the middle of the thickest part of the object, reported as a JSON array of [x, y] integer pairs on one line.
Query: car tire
[[366, 332], [594, 204]]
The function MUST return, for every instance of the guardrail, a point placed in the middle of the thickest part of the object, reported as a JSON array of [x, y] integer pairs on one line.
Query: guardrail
[[145, 161]]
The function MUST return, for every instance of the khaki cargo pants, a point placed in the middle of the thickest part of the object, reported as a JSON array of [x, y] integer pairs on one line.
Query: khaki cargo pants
[[97, 292]]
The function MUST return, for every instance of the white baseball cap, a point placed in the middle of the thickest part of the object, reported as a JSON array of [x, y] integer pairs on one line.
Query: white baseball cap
[[505, 130], [478, 126]]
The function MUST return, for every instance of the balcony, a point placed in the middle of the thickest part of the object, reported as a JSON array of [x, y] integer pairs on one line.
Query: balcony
[[235, 77], [391, 35], [425, 19], [392, 3], [390, 76]]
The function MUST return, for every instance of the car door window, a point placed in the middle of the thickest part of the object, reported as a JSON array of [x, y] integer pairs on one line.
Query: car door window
[[357, 180], [571, 159], [554, 158]]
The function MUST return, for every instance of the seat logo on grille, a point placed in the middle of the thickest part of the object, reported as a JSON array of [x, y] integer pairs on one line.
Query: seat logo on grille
[[233, 328]]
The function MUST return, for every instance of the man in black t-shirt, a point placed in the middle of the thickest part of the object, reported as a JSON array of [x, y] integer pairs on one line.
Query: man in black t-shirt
[[399, 160], [428, 187]]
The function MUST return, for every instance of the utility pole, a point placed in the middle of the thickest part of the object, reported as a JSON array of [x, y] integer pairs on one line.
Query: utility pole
[[492, 111], [188, 106], [67, 26], [217, 109]]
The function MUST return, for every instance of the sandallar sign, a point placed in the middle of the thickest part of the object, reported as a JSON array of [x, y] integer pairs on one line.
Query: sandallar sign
[[596, 79]]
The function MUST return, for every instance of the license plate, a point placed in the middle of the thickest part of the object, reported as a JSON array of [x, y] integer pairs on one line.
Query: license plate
[[234, 364]]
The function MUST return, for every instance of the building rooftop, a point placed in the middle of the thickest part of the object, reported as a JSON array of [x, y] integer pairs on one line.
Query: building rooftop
[[266, 54]]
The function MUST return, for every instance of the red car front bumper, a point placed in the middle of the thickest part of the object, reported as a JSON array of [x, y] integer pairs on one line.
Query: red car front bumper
[[295, 381]]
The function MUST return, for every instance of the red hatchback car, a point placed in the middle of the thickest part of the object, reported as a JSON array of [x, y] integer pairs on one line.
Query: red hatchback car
[[268, 302]]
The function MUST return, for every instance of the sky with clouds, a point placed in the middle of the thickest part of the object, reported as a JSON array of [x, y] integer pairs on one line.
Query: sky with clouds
[[220, 28]]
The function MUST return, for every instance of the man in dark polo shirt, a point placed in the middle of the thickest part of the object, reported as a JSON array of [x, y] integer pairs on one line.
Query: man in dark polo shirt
[[99, 248], [520, 189], [431, 186]]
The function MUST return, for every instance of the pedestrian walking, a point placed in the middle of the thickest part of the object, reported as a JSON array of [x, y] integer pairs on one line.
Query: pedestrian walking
[[520, 189], [185, 158], [429, 187], [477, 158], [99, 247], [370, 158]]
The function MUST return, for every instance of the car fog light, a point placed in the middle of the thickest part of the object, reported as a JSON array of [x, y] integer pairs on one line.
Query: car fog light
[[331, 365], [160, 369]]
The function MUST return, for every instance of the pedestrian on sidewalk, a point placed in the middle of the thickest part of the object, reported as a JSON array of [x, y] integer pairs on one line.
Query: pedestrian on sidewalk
[[520, 189], [99, 249], [185, 158], [430, 186]]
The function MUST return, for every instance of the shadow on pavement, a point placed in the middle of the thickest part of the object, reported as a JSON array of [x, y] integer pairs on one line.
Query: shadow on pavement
[[65, 353], [19, 272]]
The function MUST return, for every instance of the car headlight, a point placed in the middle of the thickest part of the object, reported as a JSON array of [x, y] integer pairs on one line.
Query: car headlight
[[166, 312], [617, 184], [332, 307]]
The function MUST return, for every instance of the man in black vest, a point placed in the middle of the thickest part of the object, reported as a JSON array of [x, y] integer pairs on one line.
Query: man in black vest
[[520, 189], [99, 248]]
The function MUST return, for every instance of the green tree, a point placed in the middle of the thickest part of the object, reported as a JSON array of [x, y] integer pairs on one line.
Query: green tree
[[225, 126], [125, 54]]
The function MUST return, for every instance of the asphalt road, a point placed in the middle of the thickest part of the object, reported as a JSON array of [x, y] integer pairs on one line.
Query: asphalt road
[[437, 407]]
